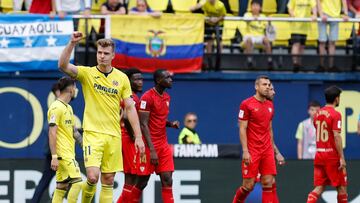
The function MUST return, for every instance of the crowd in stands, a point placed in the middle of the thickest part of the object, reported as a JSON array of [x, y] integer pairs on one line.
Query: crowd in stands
[[254, 34]]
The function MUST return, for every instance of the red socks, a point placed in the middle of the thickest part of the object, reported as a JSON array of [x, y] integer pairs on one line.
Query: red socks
[[267, 195], [312, 197], [167, 195], [342, 198], [136, 194], [125, 196], [241, 195], [275, 196]]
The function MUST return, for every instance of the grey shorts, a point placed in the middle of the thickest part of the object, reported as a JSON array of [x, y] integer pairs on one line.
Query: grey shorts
[[332, 35]]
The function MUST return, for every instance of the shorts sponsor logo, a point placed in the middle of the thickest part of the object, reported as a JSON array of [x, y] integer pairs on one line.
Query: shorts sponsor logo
[[142, 168]]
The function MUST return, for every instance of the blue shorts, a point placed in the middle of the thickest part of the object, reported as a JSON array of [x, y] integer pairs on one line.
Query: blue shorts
[[324, 35]]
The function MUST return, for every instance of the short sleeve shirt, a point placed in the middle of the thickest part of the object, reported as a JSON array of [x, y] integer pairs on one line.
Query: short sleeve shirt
[[255, 28]]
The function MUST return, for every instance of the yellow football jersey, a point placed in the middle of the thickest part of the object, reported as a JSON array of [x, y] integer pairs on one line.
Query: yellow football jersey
[[61, 114], [102, 95], [331, 7], [216, 10], [302, 9], [255, 28]]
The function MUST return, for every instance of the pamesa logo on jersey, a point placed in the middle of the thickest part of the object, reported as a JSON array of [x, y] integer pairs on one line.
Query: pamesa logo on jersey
[[156, 44]]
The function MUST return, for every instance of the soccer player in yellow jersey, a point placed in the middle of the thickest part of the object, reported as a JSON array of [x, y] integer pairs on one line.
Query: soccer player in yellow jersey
[[103, 88], [62, 143]]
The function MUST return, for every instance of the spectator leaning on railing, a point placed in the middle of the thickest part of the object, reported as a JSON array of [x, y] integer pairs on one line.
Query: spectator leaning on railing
[[113, 7], [70, 7], [300, 9], [215, 12], [255, 34], [43, 7], [329, 9], [142, 8]]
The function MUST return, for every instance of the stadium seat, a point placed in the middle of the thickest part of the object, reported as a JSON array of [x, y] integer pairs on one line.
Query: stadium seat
[[96, 6], [345, 30], [6, 5], [183, 6], [268, 7], [92, 24], [312, 36], [283, 31], [158, 5], [234, 7]]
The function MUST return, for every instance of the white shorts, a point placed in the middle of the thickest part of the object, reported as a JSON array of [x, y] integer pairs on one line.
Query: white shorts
[[255, 39]]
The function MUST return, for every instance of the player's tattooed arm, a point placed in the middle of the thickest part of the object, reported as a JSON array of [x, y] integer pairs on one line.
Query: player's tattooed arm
[[78, 137], [144, 120], [243, 140]]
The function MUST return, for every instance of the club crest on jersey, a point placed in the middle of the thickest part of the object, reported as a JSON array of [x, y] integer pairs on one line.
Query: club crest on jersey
[[270, 109], [156, 45], [115, 83]]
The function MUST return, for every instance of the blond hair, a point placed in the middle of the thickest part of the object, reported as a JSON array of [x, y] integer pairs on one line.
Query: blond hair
[[106, 43]]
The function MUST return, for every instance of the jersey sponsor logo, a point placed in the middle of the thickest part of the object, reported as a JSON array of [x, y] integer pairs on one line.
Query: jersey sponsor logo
[[104, 89], [241, 114], [68, 122], [339, 124], [143, 105], [96, 77]]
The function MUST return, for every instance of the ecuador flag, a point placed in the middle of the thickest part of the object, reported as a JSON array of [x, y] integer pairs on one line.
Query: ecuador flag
[[173, 42]]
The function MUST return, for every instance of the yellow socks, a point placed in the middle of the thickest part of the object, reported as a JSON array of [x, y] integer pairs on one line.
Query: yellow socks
[[74, 192], [58, 196], [88, 192], [106, 194]]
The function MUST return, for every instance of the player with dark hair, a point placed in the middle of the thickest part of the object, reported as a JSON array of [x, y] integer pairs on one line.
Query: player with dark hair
[[329, 163], [255, 122], [62, 144], [104, 87], [136, 169], [154, 111]]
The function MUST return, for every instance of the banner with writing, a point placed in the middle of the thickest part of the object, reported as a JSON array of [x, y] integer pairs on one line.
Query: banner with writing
[[32, 42]]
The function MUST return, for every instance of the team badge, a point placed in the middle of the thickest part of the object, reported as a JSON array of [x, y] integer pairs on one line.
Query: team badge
[[115, 83], [339, 124], [156, 45], [167, 103], [52, 119], [270, 109], [241, 114]]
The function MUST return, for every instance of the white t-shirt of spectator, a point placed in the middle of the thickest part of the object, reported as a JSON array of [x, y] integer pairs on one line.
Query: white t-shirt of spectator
[[72, 6]]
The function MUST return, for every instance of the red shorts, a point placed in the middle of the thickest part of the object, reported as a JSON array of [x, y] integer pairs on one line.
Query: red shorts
[[263, 163], [329, 174], [133, 164], [166, 160]]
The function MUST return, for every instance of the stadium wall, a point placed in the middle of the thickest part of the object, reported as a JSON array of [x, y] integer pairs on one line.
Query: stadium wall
[[195, 181], [214, 97]]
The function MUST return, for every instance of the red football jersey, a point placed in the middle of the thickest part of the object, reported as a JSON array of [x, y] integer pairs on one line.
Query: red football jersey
[[136, 99], [326, 121], [41, 6], [158, 107], [259, 116]]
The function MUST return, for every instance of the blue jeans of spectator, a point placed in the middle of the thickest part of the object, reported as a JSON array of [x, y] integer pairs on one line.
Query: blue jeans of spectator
[[333, 34], [46, 177]]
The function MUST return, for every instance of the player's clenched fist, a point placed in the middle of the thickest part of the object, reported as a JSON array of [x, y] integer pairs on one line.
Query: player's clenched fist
[[246, 157], [76, 37]]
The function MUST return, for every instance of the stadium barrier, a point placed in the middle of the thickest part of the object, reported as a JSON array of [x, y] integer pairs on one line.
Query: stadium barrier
[[195, 181]]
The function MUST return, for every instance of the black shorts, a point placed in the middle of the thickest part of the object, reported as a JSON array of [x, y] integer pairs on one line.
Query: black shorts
[[211, 30], [298, 38]]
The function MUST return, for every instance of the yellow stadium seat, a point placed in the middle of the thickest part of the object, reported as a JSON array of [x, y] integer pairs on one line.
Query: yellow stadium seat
[[183, 6], [312, 35], [158, 5], [229, 29], [131, 4], [268, 7], [96, 6], [345, 30], [283, 32], [92, 23], [234, 6], [6, 5]]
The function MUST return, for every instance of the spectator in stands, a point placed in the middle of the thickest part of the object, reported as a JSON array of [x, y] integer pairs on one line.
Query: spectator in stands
[[215, 12], [113, 7], [354, 8], [255, 34], [43, 7], [71, 7], [18, 4], [142, 8], [188, 134], [329, 9], [300, 9], [306, 134]]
